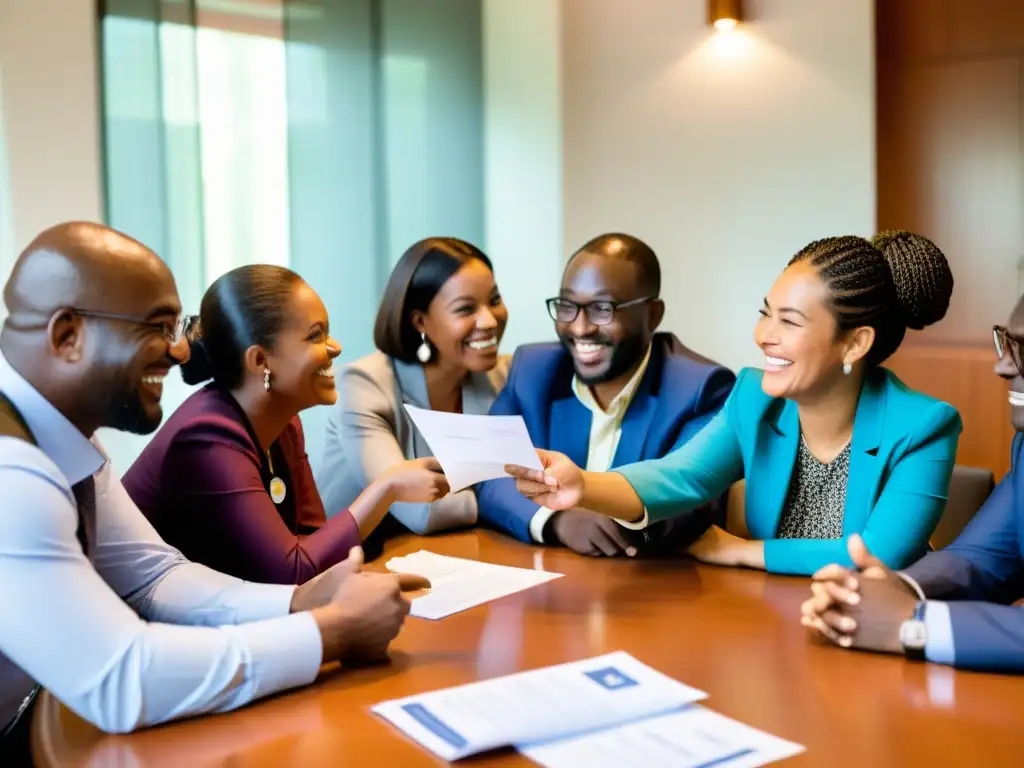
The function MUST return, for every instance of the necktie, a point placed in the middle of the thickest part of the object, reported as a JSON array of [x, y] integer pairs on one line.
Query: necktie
[[85, 495]]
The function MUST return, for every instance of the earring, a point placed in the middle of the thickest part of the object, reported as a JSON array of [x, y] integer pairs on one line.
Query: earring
[[847, 368], [266, 379], [424, 353]]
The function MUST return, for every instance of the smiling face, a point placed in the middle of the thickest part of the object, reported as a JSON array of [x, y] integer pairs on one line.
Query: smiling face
[[804, 352], [465, 320], [603, 353], [130, 359], [301, 360], [1007, 369]]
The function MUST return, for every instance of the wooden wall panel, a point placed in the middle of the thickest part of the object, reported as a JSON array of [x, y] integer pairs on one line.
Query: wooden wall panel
[[951, 166], [963, 377], [985, 27]]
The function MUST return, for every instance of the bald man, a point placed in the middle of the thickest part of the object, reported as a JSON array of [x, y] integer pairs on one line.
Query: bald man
[[88, 591]]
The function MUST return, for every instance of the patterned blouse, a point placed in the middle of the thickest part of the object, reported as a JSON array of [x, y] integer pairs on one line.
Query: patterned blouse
[[817, 497]]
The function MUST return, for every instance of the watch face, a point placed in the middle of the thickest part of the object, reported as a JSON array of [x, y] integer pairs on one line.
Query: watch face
[[913, 634]]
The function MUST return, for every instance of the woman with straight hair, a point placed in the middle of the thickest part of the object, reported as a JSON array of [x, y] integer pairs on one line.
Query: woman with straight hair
[[830, 443], [437, 333], [226, 479]]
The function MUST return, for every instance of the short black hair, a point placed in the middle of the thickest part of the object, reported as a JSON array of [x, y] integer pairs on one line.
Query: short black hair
[[896, 281], [617, 245], [243, 307], [416, 279]]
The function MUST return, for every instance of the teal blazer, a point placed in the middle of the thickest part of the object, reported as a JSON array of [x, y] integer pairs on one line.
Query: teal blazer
[[901, 460]]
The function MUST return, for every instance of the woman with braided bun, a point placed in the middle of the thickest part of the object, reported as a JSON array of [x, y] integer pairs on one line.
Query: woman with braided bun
[[829, 442]]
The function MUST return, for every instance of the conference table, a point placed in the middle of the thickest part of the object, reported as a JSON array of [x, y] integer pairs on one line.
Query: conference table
[[733, 633]]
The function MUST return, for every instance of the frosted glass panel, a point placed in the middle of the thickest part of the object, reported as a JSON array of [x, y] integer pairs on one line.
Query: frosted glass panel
[[325, 136]]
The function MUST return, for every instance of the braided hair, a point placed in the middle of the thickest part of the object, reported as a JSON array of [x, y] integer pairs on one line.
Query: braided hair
[[896, 281]]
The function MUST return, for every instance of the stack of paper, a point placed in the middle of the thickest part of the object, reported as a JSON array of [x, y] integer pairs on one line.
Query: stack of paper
[[457, 584], [610, 710], [472, 448]]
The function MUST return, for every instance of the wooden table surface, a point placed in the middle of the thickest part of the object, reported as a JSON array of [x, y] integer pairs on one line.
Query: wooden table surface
[[735, 634]]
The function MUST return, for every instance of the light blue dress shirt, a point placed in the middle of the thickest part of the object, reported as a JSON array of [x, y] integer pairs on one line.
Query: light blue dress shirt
[[105, 636], [938, 647]]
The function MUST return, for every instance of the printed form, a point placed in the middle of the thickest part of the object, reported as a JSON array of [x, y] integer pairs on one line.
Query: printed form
[[457, 584], [541, 704], [473, 448]]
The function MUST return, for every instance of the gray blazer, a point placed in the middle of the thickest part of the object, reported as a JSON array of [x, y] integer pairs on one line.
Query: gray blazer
[[369, 432]]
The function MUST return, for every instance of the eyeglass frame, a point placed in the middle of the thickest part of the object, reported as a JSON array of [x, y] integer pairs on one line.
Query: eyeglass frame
[[181, 325], [1005, 342], [615, 307]]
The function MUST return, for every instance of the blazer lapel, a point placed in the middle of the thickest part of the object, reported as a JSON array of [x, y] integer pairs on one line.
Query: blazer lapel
[[636, 426], [771, 471], [865, 466], [412, 386], [570, 429]]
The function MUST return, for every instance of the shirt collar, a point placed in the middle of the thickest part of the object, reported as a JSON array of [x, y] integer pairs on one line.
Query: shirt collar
[[75, 456], [622, 400]]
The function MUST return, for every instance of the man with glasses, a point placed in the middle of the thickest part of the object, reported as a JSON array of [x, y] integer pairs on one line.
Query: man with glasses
[[954, 606], [613, 391], [88, 591]]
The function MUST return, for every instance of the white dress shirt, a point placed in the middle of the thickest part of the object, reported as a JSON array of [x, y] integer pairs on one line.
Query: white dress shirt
[[101, 635], [605, 432]]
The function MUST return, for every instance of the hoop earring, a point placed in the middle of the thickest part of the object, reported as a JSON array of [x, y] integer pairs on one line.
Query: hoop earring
[[423, 352], [847, 369], [266, 379]]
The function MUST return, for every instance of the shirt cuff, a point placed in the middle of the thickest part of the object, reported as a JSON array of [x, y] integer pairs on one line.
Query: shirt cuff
[[939, 648], [255, 602], [538, 521], [286, 652], [912, 583], [639, 525]]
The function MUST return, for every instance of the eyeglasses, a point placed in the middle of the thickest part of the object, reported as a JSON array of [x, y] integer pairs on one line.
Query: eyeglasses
[[172, 333], [598, 312], [1006, 343]]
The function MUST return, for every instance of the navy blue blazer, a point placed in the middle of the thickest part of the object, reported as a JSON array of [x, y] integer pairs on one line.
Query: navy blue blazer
[[679, 393], [981, 573]]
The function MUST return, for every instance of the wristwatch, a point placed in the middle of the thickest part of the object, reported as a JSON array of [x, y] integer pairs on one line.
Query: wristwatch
[[914, 633]]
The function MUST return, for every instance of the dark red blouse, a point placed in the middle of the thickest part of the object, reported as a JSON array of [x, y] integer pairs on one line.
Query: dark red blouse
[[204, 484]]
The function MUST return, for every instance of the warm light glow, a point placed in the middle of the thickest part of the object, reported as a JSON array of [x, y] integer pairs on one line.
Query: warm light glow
[[724, 25]]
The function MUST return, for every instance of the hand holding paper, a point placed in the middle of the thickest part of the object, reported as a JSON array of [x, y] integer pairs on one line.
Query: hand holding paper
[[557, 485], [473, 448]]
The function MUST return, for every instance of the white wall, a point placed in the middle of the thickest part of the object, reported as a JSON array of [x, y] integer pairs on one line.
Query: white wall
[[727, 153], [50, 114]]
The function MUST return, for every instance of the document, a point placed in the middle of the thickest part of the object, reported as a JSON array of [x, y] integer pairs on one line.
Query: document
[[693, 737], [542, 704], [457, 584], [472, 449]]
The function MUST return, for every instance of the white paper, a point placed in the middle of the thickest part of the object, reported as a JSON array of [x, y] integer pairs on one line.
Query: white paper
[[457, 584], [691, 738], [472, 448], [546, 703]]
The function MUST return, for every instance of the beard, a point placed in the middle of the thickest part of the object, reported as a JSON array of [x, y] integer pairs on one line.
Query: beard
[[124, 411], [626, 354]]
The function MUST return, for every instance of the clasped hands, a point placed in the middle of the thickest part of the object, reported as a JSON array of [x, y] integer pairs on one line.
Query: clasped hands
[[862, 607]]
